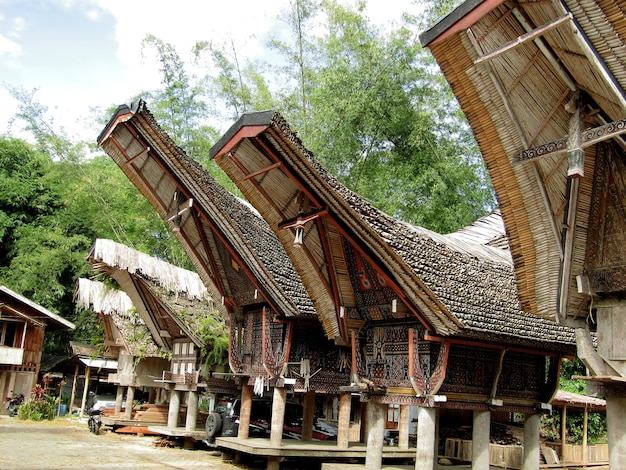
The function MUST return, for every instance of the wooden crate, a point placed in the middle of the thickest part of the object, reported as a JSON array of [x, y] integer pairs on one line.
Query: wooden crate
[[506, 456]]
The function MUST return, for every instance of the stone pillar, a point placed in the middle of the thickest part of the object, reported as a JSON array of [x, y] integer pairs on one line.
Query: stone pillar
[[130, 397], [172, 413], [480, 440], [308, 415], [375, 437], [192, 411], [403, 427], [426, 453], [245, 412], [119, 398], [278, 416], [531, 442], [343, 422], [616, 421]]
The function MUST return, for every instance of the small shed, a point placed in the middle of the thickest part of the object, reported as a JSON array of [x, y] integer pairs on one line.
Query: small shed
[[23, 324]]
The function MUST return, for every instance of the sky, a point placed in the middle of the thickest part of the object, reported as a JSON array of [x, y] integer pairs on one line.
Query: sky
[[82, 54]]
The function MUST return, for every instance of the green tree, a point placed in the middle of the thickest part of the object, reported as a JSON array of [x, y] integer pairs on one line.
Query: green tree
[[52, 208], [181, 107], [376, 123]]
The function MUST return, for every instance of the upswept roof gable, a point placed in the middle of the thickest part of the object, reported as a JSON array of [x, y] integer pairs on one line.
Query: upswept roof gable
[[460, 287], [235, 252], [536, 80], [117, 306]]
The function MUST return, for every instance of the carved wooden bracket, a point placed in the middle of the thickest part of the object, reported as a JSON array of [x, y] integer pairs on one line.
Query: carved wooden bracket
[[275, 362], [426, 386], [234, 355]]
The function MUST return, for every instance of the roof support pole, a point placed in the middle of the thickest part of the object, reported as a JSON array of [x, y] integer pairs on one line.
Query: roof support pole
[[576, 157]]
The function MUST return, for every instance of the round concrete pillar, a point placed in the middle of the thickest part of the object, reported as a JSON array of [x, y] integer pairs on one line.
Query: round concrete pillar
[[481, 430], [532, 426], [172, 413], [375, 437], [426, 453], [616, 421], [192, 411]]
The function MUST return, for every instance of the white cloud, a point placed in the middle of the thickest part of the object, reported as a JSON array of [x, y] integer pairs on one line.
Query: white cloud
[[7, 46], [97, 79]]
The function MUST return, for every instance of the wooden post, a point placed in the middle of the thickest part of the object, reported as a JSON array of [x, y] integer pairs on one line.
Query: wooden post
[[245, 411], [130, 397], [308, 415], [119, 398], [585, 431], [85, 390], [563, 430], [343, 422], [278, 416], [73, 389], [403, 427]]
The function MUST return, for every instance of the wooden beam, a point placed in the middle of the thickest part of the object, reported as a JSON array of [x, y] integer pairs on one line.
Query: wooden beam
[[588, 137], [568, 248], [541, 30], [547, 52], [304, 218], [262, 170]]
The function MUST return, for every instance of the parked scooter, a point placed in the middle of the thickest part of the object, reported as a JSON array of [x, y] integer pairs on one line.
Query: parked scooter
[[94, 422], [14, 403]]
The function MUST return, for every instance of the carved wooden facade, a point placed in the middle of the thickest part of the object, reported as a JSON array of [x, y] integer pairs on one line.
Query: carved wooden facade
[[275, 335], [426, 320]]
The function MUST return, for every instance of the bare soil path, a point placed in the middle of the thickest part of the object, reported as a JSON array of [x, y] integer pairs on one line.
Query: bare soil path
[[67, 444]]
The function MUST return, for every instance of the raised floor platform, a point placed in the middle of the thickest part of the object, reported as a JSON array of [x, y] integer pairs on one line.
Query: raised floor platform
[[196, 435], [297, 448]]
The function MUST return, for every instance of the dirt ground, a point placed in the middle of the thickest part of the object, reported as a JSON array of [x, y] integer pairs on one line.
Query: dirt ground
[[66, 443]]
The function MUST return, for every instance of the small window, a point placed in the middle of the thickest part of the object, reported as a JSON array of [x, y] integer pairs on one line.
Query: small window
[[7, 334]]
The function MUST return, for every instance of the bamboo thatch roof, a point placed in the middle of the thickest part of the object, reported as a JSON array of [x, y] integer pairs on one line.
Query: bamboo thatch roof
[[169, 277], [171, 301], [121, 323], [537, 79], [234, 251], [455, 284]]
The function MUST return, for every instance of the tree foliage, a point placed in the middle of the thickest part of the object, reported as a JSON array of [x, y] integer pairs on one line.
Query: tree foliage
[[367, 101], [52, 208], [370, 105]]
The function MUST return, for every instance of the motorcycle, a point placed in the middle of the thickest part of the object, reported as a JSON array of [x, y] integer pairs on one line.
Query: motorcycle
[[94, 422], [12, 404]]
